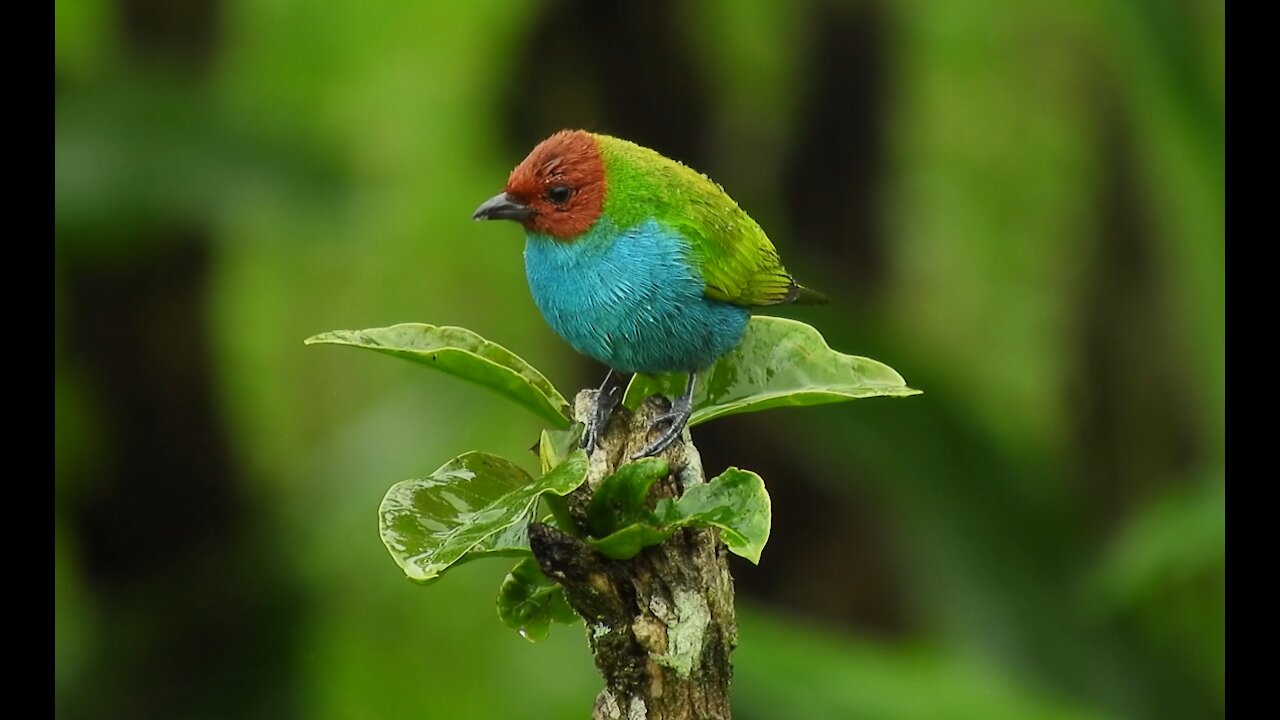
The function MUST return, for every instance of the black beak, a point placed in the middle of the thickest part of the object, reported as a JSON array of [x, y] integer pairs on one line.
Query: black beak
[[501, 207]]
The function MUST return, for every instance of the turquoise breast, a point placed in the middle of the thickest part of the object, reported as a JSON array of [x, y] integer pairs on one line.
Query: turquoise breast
[[631, 299]]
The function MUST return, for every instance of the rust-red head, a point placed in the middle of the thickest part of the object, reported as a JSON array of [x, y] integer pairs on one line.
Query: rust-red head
[[558, 190]]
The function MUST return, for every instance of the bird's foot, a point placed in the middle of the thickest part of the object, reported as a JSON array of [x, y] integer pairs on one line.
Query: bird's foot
[[607, 398], [675, 419]]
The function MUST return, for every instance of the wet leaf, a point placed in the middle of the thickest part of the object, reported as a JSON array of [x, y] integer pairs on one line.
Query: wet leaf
[[620, 499], [529, 601], [735, 502], [555, 445], [779, 363], [552, 448], [462, 353], [476, 504], [627, 542]]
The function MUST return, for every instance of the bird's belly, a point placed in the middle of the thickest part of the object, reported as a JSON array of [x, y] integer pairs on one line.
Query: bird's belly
[[631, 299]]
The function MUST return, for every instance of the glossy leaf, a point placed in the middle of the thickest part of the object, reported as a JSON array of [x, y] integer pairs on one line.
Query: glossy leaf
[[555, 445], [779, 363], [552, 448], [630, 540], [529, 601], [476, 504], [735, 502], [462, 353], [620, 499]]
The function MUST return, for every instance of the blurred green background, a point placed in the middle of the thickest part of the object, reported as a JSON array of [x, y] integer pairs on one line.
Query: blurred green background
[[1018, 204]]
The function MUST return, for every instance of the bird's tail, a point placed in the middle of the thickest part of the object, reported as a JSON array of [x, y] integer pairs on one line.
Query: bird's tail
[[801, 295]]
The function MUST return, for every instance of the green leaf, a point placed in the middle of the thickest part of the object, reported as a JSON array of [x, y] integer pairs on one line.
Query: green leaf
[[552, 448], [529, 601], [619, 501], [476, 504], [555, 445], [627, 542], [779, 363], [735, 502], [464, 354]]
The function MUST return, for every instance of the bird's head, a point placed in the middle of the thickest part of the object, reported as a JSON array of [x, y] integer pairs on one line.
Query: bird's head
[[558, 190]]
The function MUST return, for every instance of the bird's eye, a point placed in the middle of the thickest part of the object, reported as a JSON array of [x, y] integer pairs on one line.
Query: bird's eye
[[559, 194]]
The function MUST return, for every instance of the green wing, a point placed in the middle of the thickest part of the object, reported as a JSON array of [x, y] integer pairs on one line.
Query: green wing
[[736, 259]]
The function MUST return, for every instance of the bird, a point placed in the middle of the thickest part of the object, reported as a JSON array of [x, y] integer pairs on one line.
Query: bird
[[639, 262]]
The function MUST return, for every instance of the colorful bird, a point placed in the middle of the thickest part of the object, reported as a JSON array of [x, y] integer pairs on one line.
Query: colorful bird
[[639, 262]]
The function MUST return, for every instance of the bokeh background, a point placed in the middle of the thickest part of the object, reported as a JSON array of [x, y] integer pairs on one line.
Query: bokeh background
[[1018, 204]]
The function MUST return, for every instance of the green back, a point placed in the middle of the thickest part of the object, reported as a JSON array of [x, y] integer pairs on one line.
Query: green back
[[729, 249]]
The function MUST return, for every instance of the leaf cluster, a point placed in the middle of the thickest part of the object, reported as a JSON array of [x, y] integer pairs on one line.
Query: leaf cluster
[[480, 505]]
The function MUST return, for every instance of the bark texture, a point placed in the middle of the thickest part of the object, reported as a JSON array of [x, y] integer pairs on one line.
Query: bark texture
[[660, 625]]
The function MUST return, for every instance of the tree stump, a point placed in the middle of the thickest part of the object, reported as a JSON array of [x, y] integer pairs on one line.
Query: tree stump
[[661, 625]]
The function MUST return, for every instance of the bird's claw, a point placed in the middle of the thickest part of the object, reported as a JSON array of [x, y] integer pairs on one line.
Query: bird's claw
[[591, 436], [607, 398], [675, 418]]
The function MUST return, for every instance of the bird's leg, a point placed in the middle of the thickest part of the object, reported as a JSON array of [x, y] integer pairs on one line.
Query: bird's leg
[[607, 398], [677, 416]]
